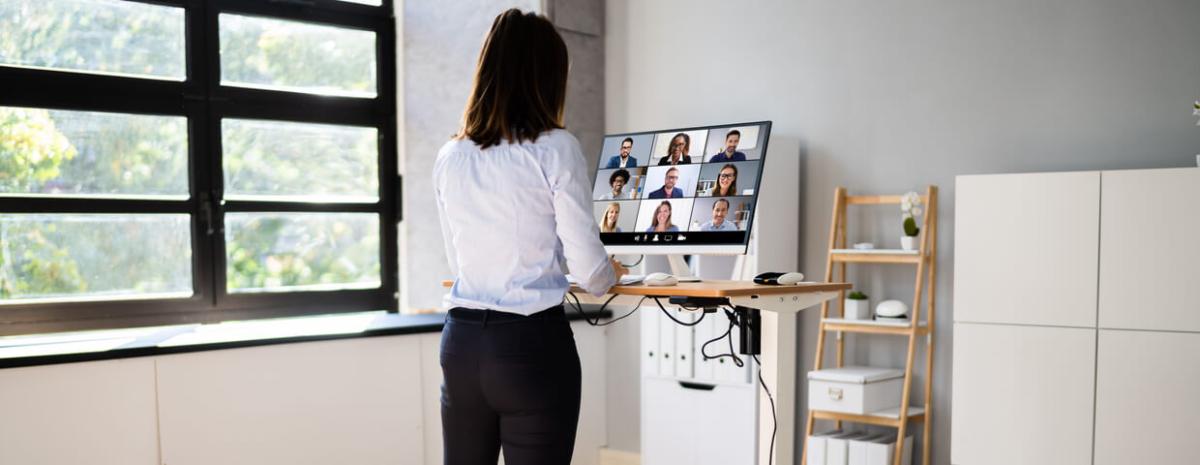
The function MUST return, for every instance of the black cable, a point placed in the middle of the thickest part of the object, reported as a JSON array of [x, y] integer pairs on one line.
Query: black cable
[[668, 314], [774, 419], [704, 347], [639, 262], [579, 308]]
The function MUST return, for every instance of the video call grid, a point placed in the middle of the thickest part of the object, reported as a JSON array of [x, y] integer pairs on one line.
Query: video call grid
[[690, 184]]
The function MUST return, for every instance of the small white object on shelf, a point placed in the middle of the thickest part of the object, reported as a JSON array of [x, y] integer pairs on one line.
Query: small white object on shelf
[[855, 389], [871, 245], [908, 243], [892, 309]]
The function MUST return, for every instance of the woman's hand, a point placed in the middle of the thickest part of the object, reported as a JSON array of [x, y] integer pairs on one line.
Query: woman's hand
[[618, 269]]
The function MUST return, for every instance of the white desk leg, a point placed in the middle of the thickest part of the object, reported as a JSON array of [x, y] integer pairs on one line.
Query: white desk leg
[[779, 372]]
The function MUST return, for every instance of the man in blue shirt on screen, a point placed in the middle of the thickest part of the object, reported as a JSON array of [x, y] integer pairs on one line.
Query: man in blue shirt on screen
[[718, 223], [730, 153], [668, 190], [623, 160]]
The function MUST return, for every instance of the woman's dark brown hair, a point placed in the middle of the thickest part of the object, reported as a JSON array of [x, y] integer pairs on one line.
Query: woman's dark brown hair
[[520, 81], [716, 190], [687, 144]]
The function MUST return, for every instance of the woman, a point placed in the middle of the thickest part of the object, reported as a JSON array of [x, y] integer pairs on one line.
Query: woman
[[514, 204], [726, 182], [662, 219], [677, 150], [617, 181], [610, 218]]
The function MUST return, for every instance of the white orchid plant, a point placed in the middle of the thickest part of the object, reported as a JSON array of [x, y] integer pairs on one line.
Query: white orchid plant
[[910, 206]]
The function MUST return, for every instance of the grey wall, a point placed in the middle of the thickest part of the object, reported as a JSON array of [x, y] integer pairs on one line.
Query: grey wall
[[886, 97], [440, 45]]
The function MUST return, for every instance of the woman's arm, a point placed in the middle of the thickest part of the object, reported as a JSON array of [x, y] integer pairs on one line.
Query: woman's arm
[[577, 230]]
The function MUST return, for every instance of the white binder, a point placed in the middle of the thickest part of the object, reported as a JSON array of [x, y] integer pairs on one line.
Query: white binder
[[666, 344], [704, 332], [838, 448], [650, 354], [684, 337]]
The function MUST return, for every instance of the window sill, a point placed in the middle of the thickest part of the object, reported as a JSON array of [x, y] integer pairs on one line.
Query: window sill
[[50, 349]]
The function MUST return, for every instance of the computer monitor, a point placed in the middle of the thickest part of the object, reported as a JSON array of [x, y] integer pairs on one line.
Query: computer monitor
[[680, 191]]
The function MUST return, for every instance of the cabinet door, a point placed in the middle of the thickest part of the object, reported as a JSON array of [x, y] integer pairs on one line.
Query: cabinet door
[[98, 413], [697, 426], [1022, 395], [1025, 248], [1150, 250], [1146, 402]]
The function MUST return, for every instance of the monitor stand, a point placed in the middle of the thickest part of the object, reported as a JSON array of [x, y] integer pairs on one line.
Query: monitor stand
[[680, 269]]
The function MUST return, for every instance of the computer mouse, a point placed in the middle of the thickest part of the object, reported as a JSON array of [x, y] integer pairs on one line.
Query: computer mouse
[[790, 278], [659, 279]]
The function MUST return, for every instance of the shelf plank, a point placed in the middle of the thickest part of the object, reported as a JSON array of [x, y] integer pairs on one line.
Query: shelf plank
[[877, 251], [890, 417], [883, 256], [871, 326], [879, 199]]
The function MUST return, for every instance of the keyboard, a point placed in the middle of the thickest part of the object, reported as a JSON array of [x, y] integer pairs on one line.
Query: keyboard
[[624, 281]]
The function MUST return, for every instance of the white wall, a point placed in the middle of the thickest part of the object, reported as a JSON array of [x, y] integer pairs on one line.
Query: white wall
[[885, 97]]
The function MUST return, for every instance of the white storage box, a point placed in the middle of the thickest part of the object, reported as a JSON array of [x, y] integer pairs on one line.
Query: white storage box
[[859, 390], [837, 448], [859, 448], [879, 451]]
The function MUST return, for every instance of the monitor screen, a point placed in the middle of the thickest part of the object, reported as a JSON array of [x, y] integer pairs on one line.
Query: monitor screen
[[676, 191]]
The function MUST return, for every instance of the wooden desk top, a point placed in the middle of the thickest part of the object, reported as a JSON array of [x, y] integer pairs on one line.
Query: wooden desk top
[[716, 288]]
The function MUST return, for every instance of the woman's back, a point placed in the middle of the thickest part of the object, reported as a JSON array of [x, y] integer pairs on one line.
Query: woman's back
[[511, 214]]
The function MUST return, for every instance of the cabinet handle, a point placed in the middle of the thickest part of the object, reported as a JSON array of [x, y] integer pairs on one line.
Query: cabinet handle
[[696, 386], [835, 393]]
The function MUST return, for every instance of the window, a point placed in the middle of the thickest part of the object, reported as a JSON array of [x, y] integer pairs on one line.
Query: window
[[167, 161]]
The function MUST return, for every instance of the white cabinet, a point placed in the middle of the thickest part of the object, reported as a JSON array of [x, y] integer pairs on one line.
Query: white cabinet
[[697, 426], [100, 413], [1150, 250], [1022, 395], [1025, 248], [356, 401], [1099, 276], [1146, 393]]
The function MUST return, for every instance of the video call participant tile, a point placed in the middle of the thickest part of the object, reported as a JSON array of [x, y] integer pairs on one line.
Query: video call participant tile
[[670, 182], [741, 178], [626, 151], [721, 214], [664, 215], [616, 217], [736, 143], [678, 147]]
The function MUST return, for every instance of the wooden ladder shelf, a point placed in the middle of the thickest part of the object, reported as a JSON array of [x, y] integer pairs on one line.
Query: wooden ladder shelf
[[925, 259]]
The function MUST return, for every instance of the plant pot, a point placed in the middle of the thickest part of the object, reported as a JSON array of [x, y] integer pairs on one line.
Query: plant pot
[[858, 309], [908, 242]]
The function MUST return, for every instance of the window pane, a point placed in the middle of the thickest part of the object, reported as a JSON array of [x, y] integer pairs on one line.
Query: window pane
[[300, 57], [297, 161], [52, 152], [280, 252], [94, 36], [94, 256]]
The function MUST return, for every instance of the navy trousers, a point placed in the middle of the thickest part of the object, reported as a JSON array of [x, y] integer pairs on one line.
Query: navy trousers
[[510, 382]]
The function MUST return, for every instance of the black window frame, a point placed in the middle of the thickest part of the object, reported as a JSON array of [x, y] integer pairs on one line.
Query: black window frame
[[204, 101]]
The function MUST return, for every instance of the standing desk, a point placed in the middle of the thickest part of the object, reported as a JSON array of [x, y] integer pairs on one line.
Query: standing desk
[[768, 313]]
